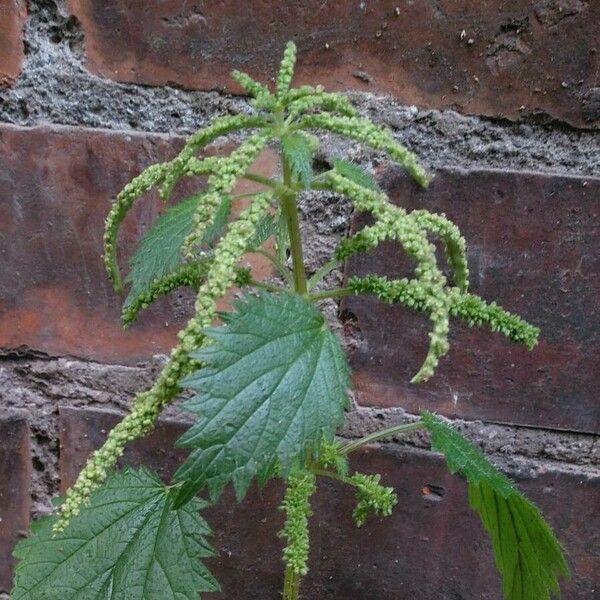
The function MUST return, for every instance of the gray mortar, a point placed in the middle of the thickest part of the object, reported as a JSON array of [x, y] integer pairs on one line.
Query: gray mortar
[[55, 88]]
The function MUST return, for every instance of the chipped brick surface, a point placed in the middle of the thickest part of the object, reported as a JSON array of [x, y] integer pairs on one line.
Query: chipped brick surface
[[57, 185], [534, 245], [12, 19], [432, 547], [15, 479], [505, 59]]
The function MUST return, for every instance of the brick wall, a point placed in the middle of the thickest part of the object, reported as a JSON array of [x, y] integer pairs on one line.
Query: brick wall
[[501, 101]]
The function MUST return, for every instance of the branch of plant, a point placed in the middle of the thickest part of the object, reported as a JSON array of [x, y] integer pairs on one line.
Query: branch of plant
[[383, 434], [334, 293], [267, 286], [332, 475], [290, 210], [266, 181], [322, 273], [281, 268]]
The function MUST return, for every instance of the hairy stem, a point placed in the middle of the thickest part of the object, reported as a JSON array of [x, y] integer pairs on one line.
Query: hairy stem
[[292, 579], [380, 435], [290, 211]]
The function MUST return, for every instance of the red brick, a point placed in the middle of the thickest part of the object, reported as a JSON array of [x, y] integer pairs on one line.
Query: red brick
[[57, 185], [432, 547], [534, 245], [15, 479], [12, 19], [504, 59]]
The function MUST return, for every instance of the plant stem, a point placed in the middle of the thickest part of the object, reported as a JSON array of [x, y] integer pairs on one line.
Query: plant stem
[[337, 293], [323, 272], [266, 286], [266, 181], [332, 475], [379, 435], [291, 585], [290, 211]]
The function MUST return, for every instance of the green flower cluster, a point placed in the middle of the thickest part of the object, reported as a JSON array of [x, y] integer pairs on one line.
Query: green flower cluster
[[372, 498], [135, 189], [331, 457], [322, 100], [296, 101], [393, 223], [301, 485], [202, 166], [469, 307], [134, 425], [253, 87], [454, 243], [370, 134], [286, 70], [187, 275], [222, 273], [221, 183], [178, 166]]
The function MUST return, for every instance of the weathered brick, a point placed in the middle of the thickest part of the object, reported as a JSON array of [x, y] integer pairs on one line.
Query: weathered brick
[[501, 58], [432, 547], [57, 185], [12, 19], [15, 479], [534, 245]]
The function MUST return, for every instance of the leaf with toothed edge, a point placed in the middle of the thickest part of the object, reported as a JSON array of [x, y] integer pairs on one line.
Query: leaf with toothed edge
[[158, 253], [527, 553], [127, 544], [297, 151], [356, 174], [275, 386], [266, 227]]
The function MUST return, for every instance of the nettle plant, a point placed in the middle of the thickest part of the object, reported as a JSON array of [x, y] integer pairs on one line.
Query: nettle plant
[[272, 380]]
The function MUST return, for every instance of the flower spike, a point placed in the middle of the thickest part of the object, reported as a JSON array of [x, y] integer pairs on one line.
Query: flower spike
[[286, 71]]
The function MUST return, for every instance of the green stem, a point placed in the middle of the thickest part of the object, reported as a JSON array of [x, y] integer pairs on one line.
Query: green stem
[[291, 585], [266, 286], [289, 208], [379, 435], [332, 475], [323, 272], [337, 293], [266, 181], [290, 211]]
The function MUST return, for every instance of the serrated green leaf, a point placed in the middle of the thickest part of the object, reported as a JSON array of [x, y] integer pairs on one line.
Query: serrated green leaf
[[274, 387], [297, 151], [217, 228], [128, 544], [159, 252], [266, 227], [527, 554], [356, 174]]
